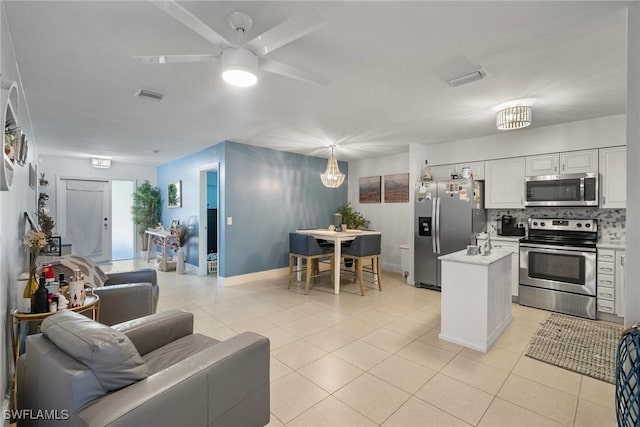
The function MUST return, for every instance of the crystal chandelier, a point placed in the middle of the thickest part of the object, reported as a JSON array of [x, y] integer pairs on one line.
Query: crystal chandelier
[[517, 117], [332, 177]]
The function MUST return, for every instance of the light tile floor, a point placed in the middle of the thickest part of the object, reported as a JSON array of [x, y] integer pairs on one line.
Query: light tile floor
[[348, 360]]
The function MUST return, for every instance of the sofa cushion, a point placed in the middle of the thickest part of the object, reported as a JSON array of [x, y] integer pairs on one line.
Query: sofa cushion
[[93, 275], [177, 351], [109, 353]]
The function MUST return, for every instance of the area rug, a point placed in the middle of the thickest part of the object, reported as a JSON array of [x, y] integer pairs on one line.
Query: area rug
[[580, 345]]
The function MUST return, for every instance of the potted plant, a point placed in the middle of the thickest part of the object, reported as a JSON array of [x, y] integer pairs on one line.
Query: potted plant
[[352, 218], [146, 210]]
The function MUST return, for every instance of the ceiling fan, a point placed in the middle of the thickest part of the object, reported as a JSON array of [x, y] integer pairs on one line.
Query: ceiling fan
[[241, 61]]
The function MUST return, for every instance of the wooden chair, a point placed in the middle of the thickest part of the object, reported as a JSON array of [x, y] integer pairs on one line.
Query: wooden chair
[[307, 248], [362, 249]]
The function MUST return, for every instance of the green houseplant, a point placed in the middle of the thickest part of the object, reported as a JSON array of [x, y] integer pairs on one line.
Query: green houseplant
[[352, 218], [146, 209]]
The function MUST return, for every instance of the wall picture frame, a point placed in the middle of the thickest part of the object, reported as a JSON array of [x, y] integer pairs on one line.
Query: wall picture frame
[[370, 189], [174, 194], [396, 188]]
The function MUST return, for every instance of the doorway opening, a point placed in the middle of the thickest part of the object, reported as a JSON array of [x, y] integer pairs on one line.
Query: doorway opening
[[209, 202], [122, 227]]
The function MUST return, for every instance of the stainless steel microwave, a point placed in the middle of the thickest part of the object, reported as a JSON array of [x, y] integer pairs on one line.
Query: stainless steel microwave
[[580, 189]]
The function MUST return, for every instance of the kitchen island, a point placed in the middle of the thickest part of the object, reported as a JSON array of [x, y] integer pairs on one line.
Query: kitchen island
[[476, 298]]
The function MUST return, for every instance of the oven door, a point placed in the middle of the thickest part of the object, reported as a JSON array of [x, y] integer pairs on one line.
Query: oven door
[[559, 268]]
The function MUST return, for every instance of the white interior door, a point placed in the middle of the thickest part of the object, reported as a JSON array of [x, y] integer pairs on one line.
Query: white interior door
[[84, 211]]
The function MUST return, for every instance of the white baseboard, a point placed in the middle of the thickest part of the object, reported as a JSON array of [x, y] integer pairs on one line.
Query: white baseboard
[[252, 277]]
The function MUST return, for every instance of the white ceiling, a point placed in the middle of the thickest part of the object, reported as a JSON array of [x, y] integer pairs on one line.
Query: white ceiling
[[387, 64]]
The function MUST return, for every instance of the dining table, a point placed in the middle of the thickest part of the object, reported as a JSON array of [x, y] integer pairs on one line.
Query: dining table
[[337, 238]]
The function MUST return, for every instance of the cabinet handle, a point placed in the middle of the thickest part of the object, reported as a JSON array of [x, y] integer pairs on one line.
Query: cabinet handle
[[607, 282], [622, 261], [604, 200], [607, 294], [606, 269], [606, 256]]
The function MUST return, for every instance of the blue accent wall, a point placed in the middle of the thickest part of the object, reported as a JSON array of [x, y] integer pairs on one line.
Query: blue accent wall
[[267, 193], [187, 169]]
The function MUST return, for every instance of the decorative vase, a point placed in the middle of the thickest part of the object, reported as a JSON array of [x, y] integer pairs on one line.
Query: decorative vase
[[31, 285], [180, 261], [144, 255], [24, 303]]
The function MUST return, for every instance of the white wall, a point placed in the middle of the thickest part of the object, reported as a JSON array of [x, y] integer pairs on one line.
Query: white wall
[[55, 167], [632, 268], [20, 198], [388, 218]]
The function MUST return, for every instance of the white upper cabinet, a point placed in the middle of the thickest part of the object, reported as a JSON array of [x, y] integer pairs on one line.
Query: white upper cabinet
[[544, 164], [579, 162], [477, 169], [613, 177], [504, 183]]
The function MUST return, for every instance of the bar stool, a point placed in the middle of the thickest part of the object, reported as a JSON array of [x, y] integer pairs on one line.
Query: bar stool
[[361, 249], [307, 248]]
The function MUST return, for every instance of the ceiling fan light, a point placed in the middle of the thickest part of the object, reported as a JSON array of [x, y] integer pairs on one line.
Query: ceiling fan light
[[239, 67]]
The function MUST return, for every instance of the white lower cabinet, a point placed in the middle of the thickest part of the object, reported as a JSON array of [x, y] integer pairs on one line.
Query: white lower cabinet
[[610, 281], [512, 245]]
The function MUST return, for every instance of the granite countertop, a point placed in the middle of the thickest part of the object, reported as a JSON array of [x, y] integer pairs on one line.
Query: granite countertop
[[462, 257], [612, 244]]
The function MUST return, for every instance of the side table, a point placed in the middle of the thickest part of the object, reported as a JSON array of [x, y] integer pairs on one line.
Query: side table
[[22, 320]]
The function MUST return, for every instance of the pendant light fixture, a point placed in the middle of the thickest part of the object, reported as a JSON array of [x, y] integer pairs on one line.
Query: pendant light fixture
[[332, 177]]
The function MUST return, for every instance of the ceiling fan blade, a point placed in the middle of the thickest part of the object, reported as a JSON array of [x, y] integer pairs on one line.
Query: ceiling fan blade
[[286, 70], [190, 20], [293, 28], [175, 59]]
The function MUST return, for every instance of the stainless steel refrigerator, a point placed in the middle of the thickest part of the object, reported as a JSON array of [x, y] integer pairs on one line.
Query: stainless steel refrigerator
[[448, 215]]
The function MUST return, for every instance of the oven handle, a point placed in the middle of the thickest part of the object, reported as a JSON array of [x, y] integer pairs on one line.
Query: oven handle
[[554, 249]]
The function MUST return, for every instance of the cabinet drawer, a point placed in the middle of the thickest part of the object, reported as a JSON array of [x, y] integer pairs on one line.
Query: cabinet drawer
[[606, 281], [606, 268], [606, 294], [605, 306], [506, 246], [607, 255]]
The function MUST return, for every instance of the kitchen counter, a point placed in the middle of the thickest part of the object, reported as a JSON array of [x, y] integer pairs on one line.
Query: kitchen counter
[[462, 257], [619, 245], [476, 298]]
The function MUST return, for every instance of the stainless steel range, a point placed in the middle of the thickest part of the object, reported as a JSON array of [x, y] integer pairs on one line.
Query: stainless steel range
[[558, 266]]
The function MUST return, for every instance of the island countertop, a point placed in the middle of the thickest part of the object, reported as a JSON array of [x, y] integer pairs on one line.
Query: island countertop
[[461, 256]]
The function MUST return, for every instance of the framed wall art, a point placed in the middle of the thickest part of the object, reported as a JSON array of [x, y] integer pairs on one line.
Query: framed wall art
[[396, 188], [370, 189]]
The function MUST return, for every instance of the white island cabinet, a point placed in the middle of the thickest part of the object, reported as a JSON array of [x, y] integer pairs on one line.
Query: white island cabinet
[[476, 298]]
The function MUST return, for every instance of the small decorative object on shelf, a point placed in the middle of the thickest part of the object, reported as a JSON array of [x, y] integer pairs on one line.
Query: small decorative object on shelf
[[41, 298], [76, 289], [35, 241], [43, 182]]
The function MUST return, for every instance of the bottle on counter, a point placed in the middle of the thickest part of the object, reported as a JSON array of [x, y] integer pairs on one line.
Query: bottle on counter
[[41, 298]]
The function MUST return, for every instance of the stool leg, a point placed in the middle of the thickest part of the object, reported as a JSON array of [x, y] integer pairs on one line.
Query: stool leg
[[360, 278], [290, 270], [332, 263], [378, 275], [356, 262], [308, 281]]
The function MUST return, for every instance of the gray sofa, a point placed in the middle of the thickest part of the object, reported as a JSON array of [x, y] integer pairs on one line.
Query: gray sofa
[[149, 371], [123, 296]]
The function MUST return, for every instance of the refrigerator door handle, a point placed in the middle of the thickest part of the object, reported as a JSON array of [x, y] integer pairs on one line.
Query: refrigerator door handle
[[435, 225], [437, 230]]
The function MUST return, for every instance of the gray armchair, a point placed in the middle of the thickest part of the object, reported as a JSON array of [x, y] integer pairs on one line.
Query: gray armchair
[[123, 296], [149, 371]]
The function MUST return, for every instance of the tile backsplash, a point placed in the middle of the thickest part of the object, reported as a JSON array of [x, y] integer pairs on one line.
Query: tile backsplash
[[611, 222]]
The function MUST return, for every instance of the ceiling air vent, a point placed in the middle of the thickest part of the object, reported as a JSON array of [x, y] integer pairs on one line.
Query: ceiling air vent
[[143, 93]]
